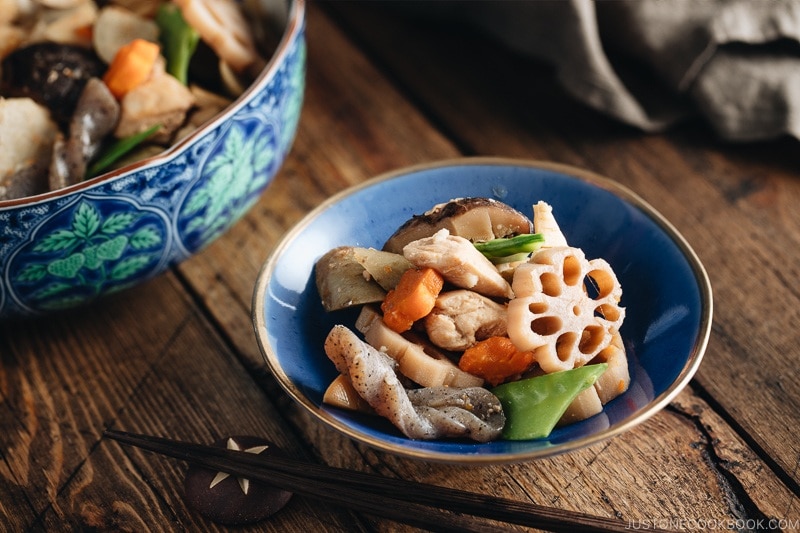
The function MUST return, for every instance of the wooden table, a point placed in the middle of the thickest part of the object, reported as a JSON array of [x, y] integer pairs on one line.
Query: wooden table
[[177, 357]]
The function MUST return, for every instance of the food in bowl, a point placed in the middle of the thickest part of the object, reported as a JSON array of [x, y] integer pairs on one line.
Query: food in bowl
[[477, 322], [87, 87], [68, 247]]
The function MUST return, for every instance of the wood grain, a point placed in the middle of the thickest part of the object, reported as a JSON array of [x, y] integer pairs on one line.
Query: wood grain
[[177, 356], [168, 374]]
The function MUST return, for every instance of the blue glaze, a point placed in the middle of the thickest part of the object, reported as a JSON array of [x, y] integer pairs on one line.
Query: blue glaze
[[70, 247], [665, 292]]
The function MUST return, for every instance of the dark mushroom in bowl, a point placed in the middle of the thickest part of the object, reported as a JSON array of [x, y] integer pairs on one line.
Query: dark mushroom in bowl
[[475, 219]]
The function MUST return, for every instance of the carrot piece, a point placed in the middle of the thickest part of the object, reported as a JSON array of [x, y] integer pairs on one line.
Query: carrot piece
[[412, 299], [495, 359], [131, 66]]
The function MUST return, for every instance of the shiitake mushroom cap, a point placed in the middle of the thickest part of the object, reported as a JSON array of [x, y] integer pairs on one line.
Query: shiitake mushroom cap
[[52, 74], [475, 218]]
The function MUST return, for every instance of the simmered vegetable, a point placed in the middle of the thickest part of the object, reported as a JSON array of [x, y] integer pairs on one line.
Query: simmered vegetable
[[412, 299], [426, 413], [496, 360], [520, 311], [53, 74], [534, 406], [178, 39], [508, 249], [57, 54], [384, 267], [475, 219], [118, 150], [426, 369], [341, 393], [341, 282], [95, 117], [131, 66]]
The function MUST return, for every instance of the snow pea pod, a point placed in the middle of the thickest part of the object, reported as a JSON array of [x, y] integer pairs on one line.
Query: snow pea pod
[[533, 406]]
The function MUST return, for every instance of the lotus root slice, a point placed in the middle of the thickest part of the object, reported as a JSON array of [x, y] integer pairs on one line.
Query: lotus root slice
[[566, 308]]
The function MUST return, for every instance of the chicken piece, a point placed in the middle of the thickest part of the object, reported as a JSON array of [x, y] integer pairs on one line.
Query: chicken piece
[[460, 318], [457, 259], [207, 106], [162, 99], [441, 412]]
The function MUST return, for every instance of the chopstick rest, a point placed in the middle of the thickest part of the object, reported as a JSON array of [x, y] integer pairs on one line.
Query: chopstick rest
[[231, 500]]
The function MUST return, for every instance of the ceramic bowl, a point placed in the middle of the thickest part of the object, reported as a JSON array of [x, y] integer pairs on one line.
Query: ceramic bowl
[[666, 293], [71, 246]]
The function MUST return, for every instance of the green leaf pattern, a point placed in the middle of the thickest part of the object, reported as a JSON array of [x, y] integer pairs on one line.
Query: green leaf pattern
[[95, 255], [128, 267], [86, 221], [58, 240], [117, 222], [147, 237], [230, 177]]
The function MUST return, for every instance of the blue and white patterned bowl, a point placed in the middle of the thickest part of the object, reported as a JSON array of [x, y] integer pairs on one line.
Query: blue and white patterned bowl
[[71, 246]]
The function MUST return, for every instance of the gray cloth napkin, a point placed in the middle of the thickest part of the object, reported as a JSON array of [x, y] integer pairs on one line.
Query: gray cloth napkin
[[735, 62]]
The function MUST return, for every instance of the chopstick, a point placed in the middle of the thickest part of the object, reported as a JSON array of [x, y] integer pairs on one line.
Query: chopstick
[[417, 504]]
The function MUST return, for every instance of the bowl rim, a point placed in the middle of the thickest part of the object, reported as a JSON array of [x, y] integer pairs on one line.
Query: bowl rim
[[295, 22], [651, 408]]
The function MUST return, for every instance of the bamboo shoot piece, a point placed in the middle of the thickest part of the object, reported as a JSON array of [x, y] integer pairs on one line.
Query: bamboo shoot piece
[[341, 393], [342, 281]]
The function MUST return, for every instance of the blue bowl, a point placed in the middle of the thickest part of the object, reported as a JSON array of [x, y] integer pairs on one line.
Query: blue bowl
[[666, 293], [71, 246]]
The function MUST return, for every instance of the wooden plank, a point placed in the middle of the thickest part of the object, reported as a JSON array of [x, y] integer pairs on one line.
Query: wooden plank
[[141, 361], [63, 377], [739, 213]]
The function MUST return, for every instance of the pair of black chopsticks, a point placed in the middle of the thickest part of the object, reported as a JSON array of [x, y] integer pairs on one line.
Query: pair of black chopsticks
[[421, 505]]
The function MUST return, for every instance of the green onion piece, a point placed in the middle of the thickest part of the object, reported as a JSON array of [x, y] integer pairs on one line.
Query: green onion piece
[[512, 246], [178, 39], [509, 258], [117, 150]]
